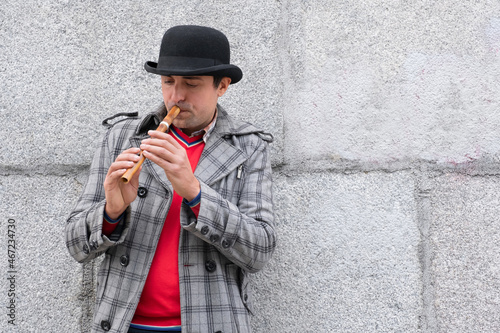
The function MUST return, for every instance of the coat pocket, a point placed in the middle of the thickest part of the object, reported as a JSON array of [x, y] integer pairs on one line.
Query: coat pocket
[[238, 289], [245, 290], [102, 277]]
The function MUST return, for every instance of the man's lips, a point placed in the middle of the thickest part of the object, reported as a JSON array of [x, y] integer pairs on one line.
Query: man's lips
[[183, 109]]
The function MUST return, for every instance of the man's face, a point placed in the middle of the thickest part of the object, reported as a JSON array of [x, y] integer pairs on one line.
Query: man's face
[[196, 96]]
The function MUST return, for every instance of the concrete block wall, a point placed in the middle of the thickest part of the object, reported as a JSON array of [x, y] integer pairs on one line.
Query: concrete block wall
[[386, 156]]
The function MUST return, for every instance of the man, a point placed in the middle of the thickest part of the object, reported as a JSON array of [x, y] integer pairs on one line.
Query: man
[[181, 237]]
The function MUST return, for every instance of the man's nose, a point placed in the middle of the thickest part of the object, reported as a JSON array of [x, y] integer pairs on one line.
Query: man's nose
[[178, 94]]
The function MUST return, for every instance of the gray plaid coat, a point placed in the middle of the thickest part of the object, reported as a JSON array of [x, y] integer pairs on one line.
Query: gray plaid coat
[[232, 236]]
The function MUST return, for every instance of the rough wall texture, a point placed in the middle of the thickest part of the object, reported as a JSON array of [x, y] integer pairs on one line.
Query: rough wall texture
[[386, 154]]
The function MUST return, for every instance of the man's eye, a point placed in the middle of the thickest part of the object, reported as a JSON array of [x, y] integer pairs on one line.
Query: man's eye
[[191, 85], [169, 82]]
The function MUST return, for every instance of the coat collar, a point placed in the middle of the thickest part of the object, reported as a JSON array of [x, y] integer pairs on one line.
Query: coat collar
[[220, 156]]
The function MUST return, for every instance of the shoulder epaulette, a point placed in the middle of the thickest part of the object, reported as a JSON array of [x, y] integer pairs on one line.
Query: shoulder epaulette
[[106, 123]]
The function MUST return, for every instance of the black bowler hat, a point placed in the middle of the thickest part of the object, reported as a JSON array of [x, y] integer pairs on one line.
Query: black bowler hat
[[194, 50]]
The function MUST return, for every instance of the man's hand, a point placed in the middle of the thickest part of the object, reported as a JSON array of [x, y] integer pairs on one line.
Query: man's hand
[[163, 150], [118, 194]]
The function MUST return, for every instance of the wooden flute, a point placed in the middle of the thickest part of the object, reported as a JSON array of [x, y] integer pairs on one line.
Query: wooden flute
[[163, 127]]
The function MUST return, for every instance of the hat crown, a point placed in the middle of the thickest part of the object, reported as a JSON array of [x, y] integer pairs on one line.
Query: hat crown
[[191, 41], [194, 50]]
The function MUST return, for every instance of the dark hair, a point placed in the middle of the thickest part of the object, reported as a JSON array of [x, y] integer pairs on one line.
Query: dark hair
[[217, 80]]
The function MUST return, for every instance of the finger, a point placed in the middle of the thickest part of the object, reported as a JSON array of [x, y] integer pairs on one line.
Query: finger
[[163, 136], [113, 179], [165, 143], [163, 162], [134, 157], [120, 165], [160, 151], [116, 173], [171, 147], [128, 158], [132, 150], [156, 142], [158, 135], [155, 158]]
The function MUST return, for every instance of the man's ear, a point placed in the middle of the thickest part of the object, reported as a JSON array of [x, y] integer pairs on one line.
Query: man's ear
[[223, 85]]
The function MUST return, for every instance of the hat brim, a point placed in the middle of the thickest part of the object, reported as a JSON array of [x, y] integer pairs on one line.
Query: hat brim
[[231, 71]]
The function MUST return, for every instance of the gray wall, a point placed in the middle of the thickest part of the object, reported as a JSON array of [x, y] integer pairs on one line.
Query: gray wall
[[386, 155]]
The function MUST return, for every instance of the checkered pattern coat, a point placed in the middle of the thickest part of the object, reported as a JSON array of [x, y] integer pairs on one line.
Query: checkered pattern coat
[[232, 236]]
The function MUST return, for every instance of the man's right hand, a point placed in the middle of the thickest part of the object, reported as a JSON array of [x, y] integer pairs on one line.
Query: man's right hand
[[118, 194]]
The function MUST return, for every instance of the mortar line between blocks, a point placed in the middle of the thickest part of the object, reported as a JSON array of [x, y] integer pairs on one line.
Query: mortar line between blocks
[[423, 190]]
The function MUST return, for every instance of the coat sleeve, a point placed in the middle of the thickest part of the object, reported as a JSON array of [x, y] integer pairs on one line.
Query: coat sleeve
[[243, 229], [83, 231]]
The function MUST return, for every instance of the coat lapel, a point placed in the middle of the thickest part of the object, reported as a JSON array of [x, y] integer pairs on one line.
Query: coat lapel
[[219, 158]]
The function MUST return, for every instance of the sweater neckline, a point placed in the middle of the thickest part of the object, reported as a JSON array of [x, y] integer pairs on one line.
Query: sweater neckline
[[185, 139]]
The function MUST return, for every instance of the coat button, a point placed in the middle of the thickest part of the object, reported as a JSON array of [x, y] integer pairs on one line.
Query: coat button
[[86, 249], [142, 192], [245, 298], [210, 266], [94, 245], [225, 243], [105, 325], [204, 230], [214, 238], [124, 260]]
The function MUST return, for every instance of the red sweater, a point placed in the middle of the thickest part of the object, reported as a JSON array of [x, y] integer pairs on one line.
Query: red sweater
[[159, 304]]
